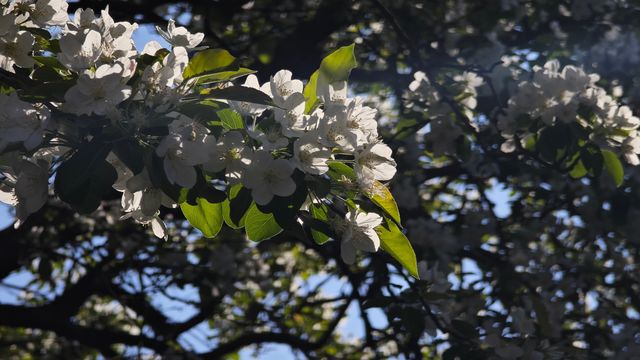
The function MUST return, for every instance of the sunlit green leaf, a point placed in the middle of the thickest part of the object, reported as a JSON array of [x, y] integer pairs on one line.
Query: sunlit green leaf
[[204, 216], [209, 62], [381, 196], [334, 68], [578, 170], [230, 119], [614, 166], [260, 226], [398, 246]]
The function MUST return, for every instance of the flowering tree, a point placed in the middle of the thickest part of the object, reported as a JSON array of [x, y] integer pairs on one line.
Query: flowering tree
[[136, 175]]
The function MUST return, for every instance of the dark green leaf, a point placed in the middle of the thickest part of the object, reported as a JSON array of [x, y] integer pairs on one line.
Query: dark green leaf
[[240, 93], [86, 178], [158, 177], [592, 158], [234, 208], [202, 189], [552, 140], [130, 153], [224, 76], [320, 230], [464, 328]]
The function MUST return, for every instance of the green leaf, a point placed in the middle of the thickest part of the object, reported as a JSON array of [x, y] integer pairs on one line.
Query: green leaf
[[592, 158], [48, 69], [381, 196], [260, 226], [48, 91], [552, 141], [130, 153], [86, 178], [202, 189], [542, 315], [204, 216], [529, 142], [321, 186], [230, 119], [334, 67], [38, 32], [613, 166], [225, 76], [234, 208], [310, 93], [319, 212], [240, 93], [209, 62], [205, 110], [397, 245], [464, 328], [338, 65], [338, 169], [578, 170]]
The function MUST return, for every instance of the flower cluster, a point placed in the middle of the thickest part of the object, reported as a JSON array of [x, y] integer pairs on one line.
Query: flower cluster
[[114, 95], [444, 130], [565, 96]]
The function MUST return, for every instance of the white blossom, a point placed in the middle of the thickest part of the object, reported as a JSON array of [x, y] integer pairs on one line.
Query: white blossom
[[267, 177], [83, 20], [26, 187], [161, 80], [230, 154], [21, 122], [374, 162], [97, 92], [180, 36], [358, 233], [117, 44], [141, 202], [270, 138], [290, 114], [80, 51], [187, 145], [49, 12], [246, 108], [569, 95], [630, 149], [334, 131], [15, 49], [310, 156], [357, 120], [282, 86], [7, 23]]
